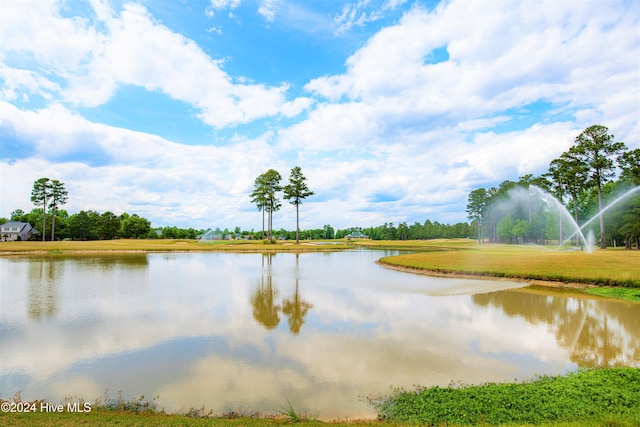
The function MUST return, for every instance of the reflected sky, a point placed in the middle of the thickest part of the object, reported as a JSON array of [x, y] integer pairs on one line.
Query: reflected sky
[[250, 332]]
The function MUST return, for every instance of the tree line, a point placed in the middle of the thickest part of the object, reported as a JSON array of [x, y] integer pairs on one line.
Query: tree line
[[57, 223], [595, 171], [86, 225]]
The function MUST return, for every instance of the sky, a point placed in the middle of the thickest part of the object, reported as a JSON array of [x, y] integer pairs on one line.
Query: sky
[[394, 109]]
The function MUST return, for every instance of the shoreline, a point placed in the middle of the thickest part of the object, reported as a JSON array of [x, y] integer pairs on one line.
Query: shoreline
[[453, 274], [307, 248]]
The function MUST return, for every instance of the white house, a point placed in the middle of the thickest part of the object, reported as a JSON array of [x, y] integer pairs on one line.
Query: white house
[[13, 229]]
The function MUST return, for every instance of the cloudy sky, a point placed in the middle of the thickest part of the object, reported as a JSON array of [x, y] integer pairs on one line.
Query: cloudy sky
[[394, 109]]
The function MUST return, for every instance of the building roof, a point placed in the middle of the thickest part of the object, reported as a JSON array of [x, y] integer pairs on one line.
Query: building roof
[[19, 224]]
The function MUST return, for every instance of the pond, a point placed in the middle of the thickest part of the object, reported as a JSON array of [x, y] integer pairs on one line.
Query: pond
[[251, 332]]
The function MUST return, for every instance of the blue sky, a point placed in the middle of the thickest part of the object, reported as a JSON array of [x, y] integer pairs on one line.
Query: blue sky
[[394, 109]]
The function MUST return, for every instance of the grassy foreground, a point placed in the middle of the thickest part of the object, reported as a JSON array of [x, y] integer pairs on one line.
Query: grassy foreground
[[594, 397], [586, 398]]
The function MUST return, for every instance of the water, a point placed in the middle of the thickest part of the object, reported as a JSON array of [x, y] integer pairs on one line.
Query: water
[[606, 208], [564, 216], [250, 332]]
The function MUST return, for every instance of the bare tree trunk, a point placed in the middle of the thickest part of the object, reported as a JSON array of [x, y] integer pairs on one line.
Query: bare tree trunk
[[297, 224], [44, 214], [603, 241], [53, 224]]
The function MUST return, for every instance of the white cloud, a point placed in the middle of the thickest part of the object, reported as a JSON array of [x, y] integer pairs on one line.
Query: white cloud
[[443, 101], [222, 4], [134, 50], [268, 9]]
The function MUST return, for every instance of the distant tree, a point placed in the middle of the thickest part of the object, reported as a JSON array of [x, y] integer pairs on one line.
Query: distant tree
[[520, 229], [402, 233], [108, 226], [629, 162], [329, 232], [84, 225], [266, 187], [595, 149], [135, 227], [475, 209], [59, 196], [39, 197], [296, 191], [18, 215], [504, 228], [259, 197]]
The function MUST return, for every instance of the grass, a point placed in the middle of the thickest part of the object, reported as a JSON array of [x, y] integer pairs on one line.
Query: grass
[[610, 267], [290, 413], [162, 245], [592, 397], [627, 294], [595, 397]]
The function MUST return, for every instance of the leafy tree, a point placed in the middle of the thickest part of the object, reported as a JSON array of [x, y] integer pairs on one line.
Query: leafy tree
[[264, 196], [59, 196], [135, 227], [259, 197], [595, 149], [18, 215], [504, 228], [574, 176], [39, 197], [84, 225], [475, 208], [272, 179], [108, 226], [558, 186], [629, 162], [402, 233], [296, 191], [521, 229]]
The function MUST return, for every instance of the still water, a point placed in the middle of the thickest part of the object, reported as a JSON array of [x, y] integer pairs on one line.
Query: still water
[[251, 332]]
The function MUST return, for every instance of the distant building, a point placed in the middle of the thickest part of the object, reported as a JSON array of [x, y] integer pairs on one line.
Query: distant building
[[356, 235], [16, 230]]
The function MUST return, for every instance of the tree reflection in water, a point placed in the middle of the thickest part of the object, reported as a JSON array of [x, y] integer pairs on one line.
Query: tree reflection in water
[[43, 293], [265, 307], [596, 332], [296, 308]]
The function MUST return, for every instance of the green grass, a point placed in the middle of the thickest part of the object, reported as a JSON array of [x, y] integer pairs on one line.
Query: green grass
[[627, 294], [289, 413], [597, 397]]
